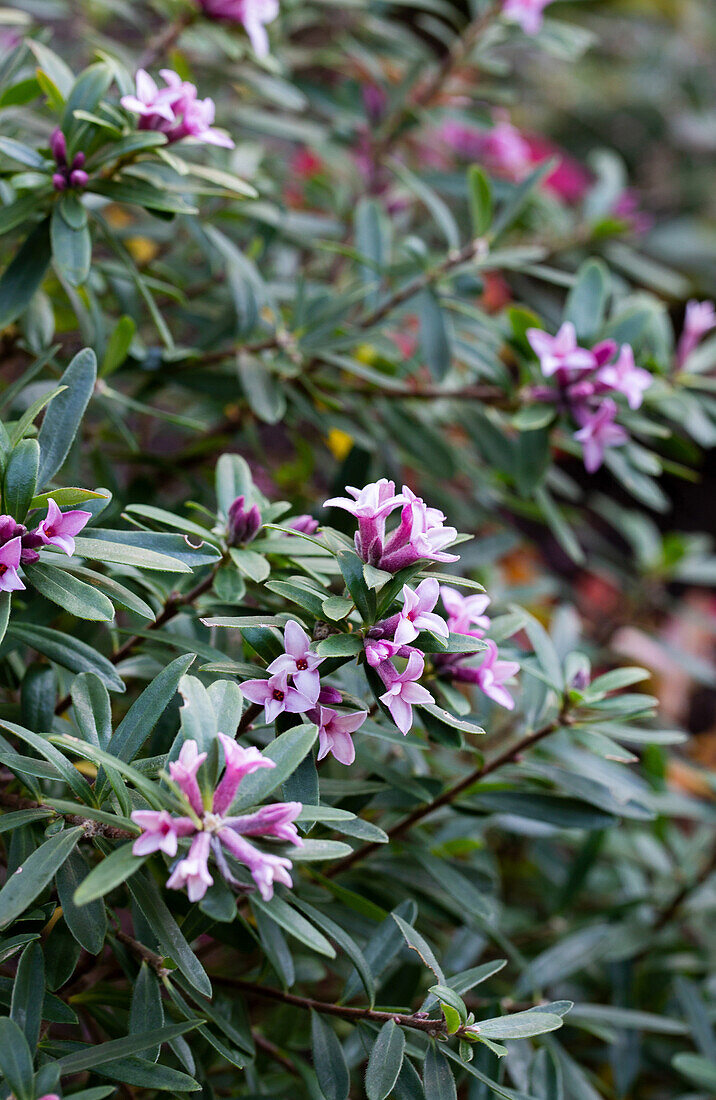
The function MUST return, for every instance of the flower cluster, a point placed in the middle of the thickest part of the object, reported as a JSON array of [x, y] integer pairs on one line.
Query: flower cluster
[[214, 831], [585, 379], [421, 534], [305, 695], [174, 110], [68, 174], [252, 14], [18, 546]]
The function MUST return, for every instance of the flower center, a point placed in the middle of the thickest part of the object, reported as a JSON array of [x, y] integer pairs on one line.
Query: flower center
[[302, 664], [3, 570], [278, 695], [49, 531], [213, 822]]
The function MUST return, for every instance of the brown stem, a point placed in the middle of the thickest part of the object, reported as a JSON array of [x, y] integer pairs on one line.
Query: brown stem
[[156, 962], [346, 1012], [449, 795], [273, 1051], [456, 56], [173, 606]]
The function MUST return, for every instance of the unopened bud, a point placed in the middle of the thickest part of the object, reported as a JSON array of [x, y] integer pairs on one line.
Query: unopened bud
[[243, 524], [58, 146], [306, 525], [59, 182], [78, 177]]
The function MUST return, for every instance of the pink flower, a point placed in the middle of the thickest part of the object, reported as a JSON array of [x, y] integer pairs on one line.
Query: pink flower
[[599, 432], [700, 319], [372, 504], [334, 733], [420, 535], [184, 771], [492, 674], [378, 650], [560, 352], [59, 528], [417, 613], [276, 696], [275, 820], [403, 692], [192, 872], [239, 762], [502, 149], [253, 14], [9, 562], [160, 832], [528, 13], [625, 377], [299, 662], [174, 110], [265, 869], [465, 613]]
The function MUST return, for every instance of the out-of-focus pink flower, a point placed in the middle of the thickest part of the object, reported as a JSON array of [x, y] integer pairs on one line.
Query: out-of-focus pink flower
[[568, 180], [625, 377], [561, 352], [466, 614], [184, 773], [174, 110], [275, 696], [299, 662], [192, 872], [528, 13], [403, 692], [700, 318], [240, 762], [9, 562], [598, 432], [160, 832], [502, 148], [59, 528], [334, 733], [252, 14], [417, 613]]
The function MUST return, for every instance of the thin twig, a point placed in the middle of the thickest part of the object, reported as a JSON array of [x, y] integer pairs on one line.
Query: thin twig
[[166, 40], [449, 795]]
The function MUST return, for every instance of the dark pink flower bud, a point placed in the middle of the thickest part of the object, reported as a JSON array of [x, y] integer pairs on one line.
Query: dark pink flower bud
[[78, 178], [305, 524], [59, 182], [243, 524], [58, 146], [79, 160]]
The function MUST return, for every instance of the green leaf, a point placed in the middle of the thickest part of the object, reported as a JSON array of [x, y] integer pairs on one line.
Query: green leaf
[[23, 277], [28, 993], [71, 249], [287, 751], [329, 1060], [262, 388], [103, 1053], [519, 1025], [438, 1081], [87, 923], [587, 300], [351, 567], [92, 709], [147, 709], [292, 922], [170, 936], [15, 1059], [23, 154], [34, 874], [117, 346], [435, 341], [64, 414], [415, 941], [21, 478], [80, 599], [141, 193], [480, 194], [385, 1061], [68, 652], [87, 546], [146, 1012], [697, 1069], [340, 645], [111, 872]]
